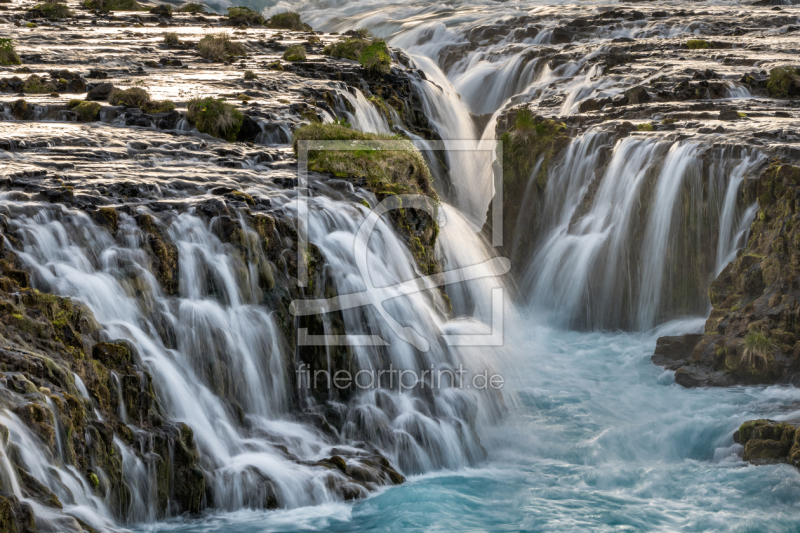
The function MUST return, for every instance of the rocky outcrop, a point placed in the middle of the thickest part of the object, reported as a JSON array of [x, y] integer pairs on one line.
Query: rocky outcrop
[[768, 442], [753, 332], [529, 142]]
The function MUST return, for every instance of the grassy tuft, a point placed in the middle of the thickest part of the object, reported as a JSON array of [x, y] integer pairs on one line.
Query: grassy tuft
[[219, 47], [757, 350], [275, 66], [295, 53], [138, 97], [387, 171], [87, 111], [348, 48], [8, 55], [171, 38], [697, 44], [287, 21], [645, 127], [114, 5], [52, 10], [781, 79], [372, 54], [133, 97], [192, 7], [376, 58], [37, 85], [250, 75], [215, 117], [242, 14]]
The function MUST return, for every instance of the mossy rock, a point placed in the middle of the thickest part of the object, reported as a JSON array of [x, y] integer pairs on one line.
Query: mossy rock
[[8, 55], [244, 15], [111, 355], [219, 47], [295, 53], [215, 117], [87, 111], [697, 44], [784, 81], [385, 171], [114, 5], [16, 516], [288, 21], [51, 10]]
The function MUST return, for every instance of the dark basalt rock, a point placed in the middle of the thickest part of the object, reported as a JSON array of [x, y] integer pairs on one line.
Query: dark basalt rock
[[100, 92]]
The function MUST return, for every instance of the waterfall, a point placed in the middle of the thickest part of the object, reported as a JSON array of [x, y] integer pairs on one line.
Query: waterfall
[[640, 243]]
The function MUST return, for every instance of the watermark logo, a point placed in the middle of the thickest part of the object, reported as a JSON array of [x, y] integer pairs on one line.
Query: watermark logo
[[375, 296]]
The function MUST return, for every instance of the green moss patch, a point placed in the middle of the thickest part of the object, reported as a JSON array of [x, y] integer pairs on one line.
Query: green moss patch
[[386, 171], [37, 85], [376, 58], [192, 7], [114, 5], [295, 53], [219, 47], [784, 81], [87, 111], [245, 15], [288, 21], [373, 54], [51, 10], [697, 44], [250, 75], [8, 55], [215, 117], [138, 97]]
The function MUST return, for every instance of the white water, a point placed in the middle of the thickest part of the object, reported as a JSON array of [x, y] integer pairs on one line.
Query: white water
[[596, 435]]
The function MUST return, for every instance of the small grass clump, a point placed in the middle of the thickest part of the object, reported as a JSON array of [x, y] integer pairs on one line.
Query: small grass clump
[[171, 38], [645, 127], [275, 66], [87, 111], [215, 117], [288, 20], [376, 58], [245, 15], [250, 75], [8, 55], [114, 5], [697, 44], [219, 47], [37, 85], [757, 350], [372, 54], [349, 48], [295, 53], [138, 97], [192, 7], [387, 171], [133, 97], [51, 10], [784, 81]]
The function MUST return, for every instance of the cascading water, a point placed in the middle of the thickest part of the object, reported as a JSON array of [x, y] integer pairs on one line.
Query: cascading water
[[624, 230]]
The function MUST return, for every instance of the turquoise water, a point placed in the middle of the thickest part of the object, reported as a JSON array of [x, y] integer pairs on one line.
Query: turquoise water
[[597, 438]]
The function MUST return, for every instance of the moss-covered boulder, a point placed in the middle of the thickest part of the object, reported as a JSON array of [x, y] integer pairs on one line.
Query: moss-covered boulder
[[288, 20], [767, 441], [215, 117]]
